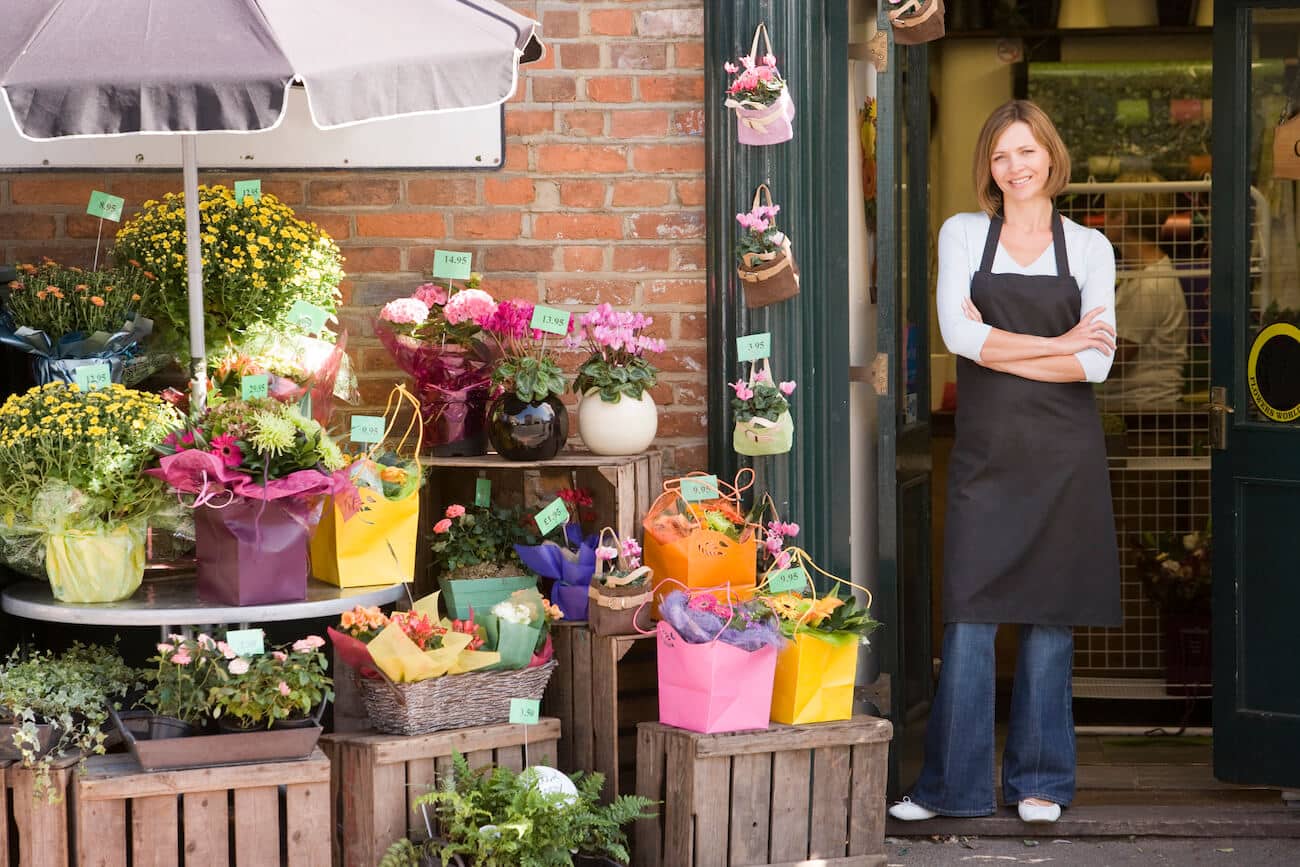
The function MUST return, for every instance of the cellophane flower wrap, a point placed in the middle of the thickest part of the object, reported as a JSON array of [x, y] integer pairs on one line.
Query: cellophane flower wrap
[[72, 487], [307, 371], [67, 317], [255, 473], [416, 645], [434, 336]]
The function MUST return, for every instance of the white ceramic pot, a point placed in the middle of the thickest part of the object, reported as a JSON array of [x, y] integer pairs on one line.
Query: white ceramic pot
[[626, 427]]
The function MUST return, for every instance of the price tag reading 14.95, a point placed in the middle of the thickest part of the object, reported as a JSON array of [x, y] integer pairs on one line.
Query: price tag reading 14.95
[[452, 265]]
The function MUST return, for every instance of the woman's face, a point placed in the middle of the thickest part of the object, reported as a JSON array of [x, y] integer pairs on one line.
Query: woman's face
[[1019, 164]]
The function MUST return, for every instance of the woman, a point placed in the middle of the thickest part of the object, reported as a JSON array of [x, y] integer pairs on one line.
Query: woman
[[1026, 300]]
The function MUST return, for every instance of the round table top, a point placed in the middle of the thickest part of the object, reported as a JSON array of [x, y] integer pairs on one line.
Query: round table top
[[174, 602]]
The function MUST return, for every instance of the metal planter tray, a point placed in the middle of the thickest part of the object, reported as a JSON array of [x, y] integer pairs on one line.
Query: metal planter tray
[[208, 751]]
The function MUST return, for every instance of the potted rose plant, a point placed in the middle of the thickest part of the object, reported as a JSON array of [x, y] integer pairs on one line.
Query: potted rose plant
[[286, 688], [185, 670], [624, 419], [75, 502], [434, 336], [473, 554], [527, 421], [254, 468]]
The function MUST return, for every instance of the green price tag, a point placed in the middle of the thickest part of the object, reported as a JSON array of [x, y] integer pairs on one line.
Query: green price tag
[[1131, 112], [246, 642], [253, 386], [550, 320], [367, 429], [452, 264], [106, 206], [793, 580], [752, 347], [525, 711], [696, 488], [554, 515], [92, 376], [483, 492], [248, 188], [308, 316], [304, 406]]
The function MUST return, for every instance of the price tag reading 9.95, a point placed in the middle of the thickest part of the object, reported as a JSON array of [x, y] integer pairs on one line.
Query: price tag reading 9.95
[[794, 580], [696, 488], [550, 320], [106, 206], [367, 429]]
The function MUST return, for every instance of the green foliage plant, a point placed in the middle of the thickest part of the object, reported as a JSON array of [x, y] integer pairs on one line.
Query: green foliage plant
[[481, 539]]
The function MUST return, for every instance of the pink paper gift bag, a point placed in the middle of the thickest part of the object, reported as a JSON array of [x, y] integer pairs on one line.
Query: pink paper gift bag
[[714, 687]]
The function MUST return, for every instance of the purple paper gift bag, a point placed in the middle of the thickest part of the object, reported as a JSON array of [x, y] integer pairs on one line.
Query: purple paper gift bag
[[252, 552]]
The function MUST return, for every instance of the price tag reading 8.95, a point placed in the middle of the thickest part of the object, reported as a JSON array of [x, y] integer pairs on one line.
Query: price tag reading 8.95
[[550, 320]]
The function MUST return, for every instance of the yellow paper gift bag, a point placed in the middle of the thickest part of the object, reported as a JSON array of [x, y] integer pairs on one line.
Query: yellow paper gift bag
[[814, 680], [376, 543]]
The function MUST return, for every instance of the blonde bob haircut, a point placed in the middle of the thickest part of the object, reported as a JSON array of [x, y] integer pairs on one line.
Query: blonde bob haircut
[[1044, 131]]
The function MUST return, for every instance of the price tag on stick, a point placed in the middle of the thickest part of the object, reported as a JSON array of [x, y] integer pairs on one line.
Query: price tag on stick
[[248, 188], [92, 376], [452, 264], [752, 347], [367, 429], [246, 642], [105, 206], [550, 320], [793, 580], [525, 711], [483, 492], [308, 316], [253, 386], [696, 488], [554, 515]]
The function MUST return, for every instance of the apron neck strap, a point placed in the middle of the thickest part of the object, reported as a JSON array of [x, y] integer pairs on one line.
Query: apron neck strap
[[991, 243], [1058, 244]]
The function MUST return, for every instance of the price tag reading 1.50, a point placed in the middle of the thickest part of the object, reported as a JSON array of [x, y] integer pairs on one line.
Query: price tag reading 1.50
[[752, 347], [550, 320], [525, 711], [92, 376], [451, 264], [794, 580]]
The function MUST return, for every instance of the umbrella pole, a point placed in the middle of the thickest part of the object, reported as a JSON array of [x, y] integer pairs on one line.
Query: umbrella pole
[[194, 261]]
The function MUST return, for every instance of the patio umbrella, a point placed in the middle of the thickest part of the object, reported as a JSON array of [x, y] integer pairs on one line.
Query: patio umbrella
[[122, 67]]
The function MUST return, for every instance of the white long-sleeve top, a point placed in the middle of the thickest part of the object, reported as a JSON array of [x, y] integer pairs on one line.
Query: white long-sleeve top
[[961, 246]]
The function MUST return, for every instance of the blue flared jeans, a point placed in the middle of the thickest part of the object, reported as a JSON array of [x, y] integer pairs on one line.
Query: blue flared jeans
[[1038, 762]]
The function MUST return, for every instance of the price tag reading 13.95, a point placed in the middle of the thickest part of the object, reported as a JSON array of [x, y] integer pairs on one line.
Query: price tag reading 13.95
[[550, 320]]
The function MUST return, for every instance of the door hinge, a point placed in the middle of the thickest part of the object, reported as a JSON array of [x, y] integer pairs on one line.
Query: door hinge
[[1219, 412]]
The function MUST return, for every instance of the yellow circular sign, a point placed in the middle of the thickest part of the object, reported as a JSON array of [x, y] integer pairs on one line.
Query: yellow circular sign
[[1273, 372]]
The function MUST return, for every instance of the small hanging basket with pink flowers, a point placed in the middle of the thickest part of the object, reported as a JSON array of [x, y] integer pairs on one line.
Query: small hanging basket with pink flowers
[[759, 97], [764, 425], [764, 259]]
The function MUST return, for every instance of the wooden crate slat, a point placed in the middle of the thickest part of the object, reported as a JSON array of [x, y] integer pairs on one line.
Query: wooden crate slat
[[580, 731], [511, 758], [647, 838], [779, 737], [207, 827], [644, 496], [155, 840], [679, 800], [604, 711], [101, 832], [390, 749], [625, 496], [850, 861], [792, 776], [113, 779], [830, 807], [307, 829], [866, 818], [419, 778], [42, 826], [384, 791], [479, 759], [257, 826], [711, 792], [4, 815], [751, 802], [558, 699]]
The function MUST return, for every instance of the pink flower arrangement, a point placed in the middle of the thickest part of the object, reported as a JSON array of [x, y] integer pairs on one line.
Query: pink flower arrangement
[[405, 311], [437, 313], [527, 366], [742, 389], [616, 340], [455, 510], [442, 526], [760, 234], [756, 82], [469, 305]]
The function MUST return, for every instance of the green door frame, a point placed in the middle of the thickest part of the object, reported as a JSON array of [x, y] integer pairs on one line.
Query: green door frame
[[810, 334]]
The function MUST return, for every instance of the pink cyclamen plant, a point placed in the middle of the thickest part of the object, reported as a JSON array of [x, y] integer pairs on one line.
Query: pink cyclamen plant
[[756, 80], [616, 341]]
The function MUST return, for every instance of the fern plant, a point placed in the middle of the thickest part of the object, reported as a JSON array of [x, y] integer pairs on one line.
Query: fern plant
[[497, 818]]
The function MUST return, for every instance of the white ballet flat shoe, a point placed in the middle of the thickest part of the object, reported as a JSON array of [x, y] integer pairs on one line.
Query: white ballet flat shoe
[[907, 811], [1034, 813]]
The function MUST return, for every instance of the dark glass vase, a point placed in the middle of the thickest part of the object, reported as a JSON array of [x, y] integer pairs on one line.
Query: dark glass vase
[[527, 431]]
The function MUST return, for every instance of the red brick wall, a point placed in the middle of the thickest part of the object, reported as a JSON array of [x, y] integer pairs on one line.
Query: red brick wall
[[601, 199]]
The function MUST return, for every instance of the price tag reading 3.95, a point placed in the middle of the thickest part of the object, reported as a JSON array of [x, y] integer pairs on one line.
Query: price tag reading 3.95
[[550, 320], [753, 347], [452, 265]]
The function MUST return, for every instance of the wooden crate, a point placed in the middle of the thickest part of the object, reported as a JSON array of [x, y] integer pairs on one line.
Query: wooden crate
[[258, 814], [40, 830], [375, 778], [587, 695], [785, 796]]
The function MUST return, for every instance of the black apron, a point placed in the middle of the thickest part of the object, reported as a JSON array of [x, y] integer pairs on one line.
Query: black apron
[[1029, 535]]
